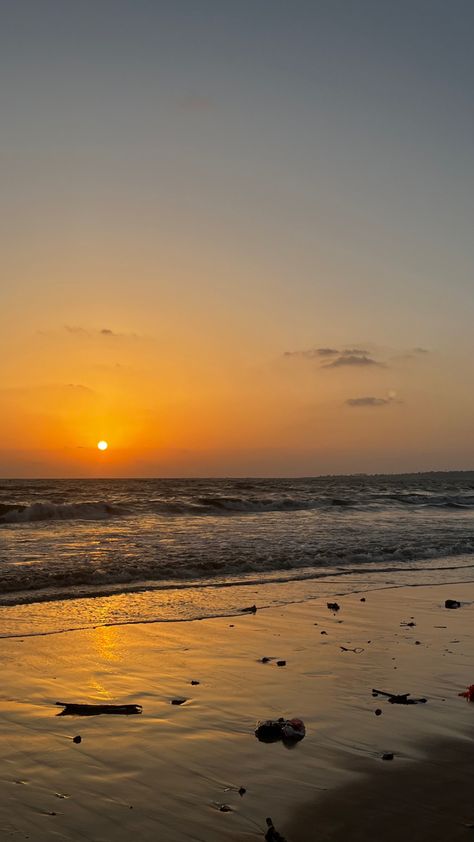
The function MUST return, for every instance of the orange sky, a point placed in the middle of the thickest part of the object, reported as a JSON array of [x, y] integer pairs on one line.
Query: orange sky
[[183, 205]]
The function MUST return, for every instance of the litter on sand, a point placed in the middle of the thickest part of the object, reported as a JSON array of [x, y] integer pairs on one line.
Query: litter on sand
[[452, 603], [469, 693], [288, 730], [272, 834]]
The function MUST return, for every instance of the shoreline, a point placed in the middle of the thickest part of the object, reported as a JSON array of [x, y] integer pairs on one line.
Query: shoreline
[[166, 771]]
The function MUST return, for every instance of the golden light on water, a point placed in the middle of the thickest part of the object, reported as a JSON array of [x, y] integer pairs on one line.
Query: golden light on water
[[102, 445]]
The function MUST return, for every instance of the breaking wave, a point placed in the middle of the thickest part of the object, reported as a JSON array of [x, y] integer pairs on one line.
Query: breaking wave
[[56, 511]]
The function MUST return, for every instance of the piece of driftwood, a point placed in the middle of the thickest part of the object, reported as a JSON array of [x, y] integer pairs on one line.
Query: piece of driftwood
[[73, 709], [398, 699]]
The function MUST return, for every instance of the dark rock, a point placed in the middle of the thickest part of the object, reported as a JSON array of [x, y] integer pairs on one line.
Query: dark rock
[[452, 603], [281, 663], [378, 712], [388, 755], [194, 682], [77, 739], [333, 606], [242, 791], [179, 701]]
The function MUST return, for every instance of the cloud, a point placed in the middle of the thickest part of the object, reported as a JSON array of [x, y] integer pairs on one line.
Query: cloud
[[313, 353], [372, 401], [368, 401], [347, 359], [91, 333], [336, 357]]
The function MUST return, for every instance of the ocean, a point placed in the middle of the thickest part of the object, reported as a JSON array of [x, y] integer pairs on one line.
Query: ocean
[[77, 553]]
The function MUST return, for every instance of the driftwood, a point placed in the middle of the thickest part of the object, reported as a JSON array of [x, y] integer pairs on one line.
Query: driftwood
[[401, 699], [73, 709]]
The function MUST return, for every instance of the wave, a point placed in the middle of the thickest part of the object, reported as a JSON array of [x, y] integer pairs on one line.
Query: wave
[[14, 513], [222, 505]]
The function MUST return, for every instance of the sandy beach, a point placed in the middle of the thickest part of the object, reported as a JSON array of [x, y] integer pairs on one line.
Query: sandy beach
[[165, 773]]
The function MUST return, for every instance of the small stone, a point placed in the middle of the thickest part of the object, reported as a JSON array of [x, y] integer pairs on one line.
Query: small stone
[[362, 599], [242, 791], [194, 682], [224, 808], [387, 756], [180, 701], [281, 663], [378, 711], [324, 632], [77, 739]]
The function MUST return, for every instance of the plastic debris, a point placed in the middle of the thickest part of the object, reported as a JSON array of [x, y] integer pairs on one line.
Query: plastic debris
[[72, 709], [398, 699], [194, 682], [179, 701], [452, 603], [333, 606], [469, 693], [357, 650], [272, 834], [273, 730]]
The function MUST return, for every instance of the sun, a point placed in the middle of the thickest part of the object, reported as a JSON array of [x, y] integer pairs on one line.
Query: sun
[[102, 445]]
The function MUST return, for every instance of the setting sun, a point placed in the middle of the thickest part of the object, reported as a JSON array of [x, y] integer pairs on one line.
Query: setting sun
[[102, 445]]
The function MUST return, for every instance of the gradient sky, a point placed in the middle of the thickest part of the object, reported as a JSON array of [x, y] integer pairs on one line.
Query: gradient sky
[[197, 197]]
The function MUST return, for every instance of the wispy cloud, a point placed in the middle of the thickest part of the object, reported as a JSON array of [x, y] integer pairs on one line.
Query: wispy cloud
[[373, 401], [348, 359], [313, 353], [77, 330], [368, 401]]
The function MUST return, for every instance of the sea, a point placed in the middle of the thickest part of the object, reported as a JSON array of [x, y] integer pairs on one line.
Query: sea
[[84, 552]]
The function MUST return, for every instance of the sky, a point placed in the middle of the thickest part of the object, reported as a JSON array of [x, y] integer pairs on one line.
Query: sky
[[236, 237]]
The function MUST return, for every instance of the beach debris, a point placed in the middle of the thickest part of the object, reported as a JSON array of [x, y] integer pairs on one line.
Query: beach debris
[[194, 682], [357, 650], [242, 791], [324, 632], [281, 663], [378, 711], [362, 599], [288, 730], [388, 755], [272, 834], [77, 739], [410, 625], [398, 699], [223, 808], [469, 693], [179, 700], [265, 660], [252, 609], [333, 606], [73, 709], [452, 603]]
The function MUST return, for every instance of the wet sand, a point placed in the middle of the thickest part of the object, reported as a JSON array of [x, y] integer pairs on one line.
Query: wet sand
[[165, 773]]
